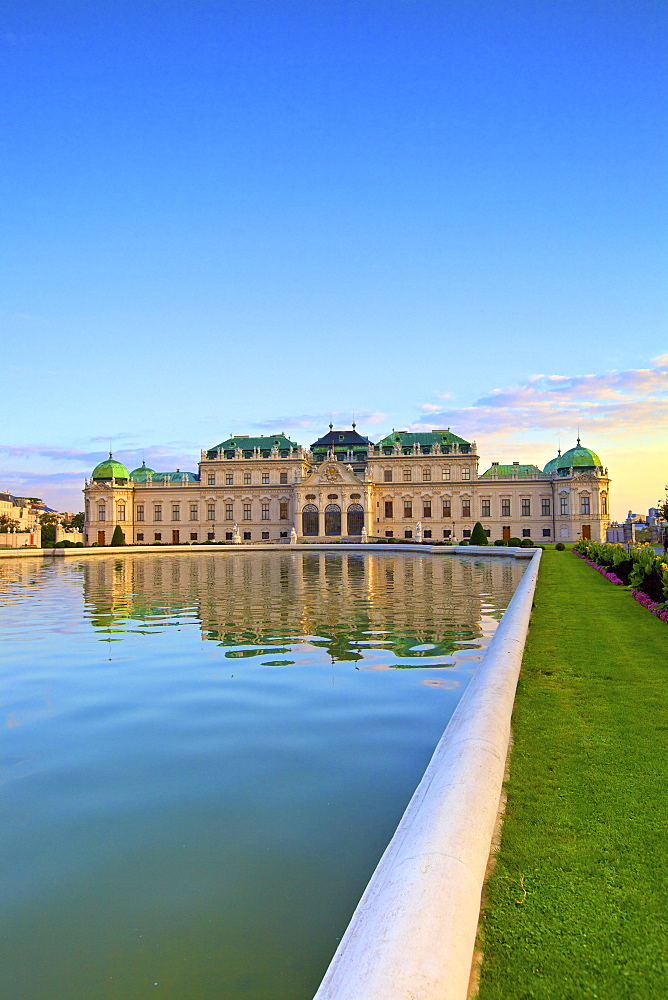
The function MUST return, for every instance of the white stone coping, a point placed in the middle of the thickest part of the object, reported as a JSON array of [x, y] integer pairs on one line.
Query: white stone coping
[[416, 549], [413, 933]]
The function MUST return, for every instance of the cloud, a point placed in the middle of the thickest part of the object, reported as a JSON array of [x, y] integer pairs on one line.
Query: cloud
[[617, 404], [320, 421]]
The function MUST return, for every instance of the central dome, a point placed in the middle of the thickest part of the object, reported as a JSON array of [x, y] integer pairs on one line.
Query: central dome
[[110, 469], [579, 458]]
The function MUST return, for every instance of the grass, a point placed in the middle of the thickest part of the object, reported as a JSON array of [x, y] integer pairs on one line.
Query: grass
[[577, 904]]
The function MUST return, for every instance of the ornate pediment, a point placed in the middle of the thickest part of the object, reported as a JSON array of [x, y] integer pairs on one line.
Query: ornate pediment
[[331, 474]]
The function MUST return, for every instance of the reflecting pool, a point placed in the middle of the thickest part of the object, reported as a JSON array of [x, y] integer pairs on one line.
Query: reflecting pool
[[205, 754]]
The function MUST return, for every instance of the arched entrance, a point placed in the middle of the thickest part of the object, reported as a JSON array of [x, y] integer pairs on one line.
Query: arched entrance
[[332, 519], [355, 519], [310, 520]]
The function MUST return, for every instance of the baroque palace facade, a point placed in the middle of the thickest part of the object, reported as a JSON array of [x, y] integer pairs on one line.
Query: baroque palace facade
[[407, 486]]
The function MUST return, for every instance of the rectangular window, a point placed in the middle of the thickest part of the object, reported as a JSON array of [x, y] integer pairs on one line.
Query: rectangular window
[[466, 533], [193, 536], [563, 505], [247, 478], [247, 536], [157, 512], [265, 535], [485, 508], [447, 508], [407, 475], [247, 512], [157, 536], [389, 510], [547, 532], [426, 475], [211, 479], [176, 512], [446, 532], [466, 472], [604, 505], [265, 512], [387, 475], [140, 536], [408, 508], [584, 506], [193, 511], [265, 478], [283, 510], [229, 511], [545, 508], [408, 534], [210, 535], [526, 507], [466, 508], [102, 512], [505, 508], [140, 512], [229, 479], [121, 511], [427, 533], [211, 512], [426, 508], [526, 532], [283, 478], [446, 474]]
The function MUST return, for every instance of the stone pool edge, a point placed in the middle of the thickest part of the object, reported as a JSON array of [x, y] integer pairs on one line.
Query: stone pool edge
[[413, 932], [106, 550]]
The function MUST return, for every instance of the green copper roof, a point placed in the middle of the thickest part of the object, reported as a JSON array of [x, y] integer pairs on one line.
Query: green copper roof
[[579, 458], [110, 469], [553, 464], [142, 470], [247, 443], [507, 471], [422, 438], [164, 477]]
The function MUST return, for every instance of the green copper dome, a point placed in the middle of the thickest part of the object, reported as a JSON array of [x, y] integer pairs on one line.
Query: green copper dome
[[553, 464], [110, 469], [579, 458], [143, 470]]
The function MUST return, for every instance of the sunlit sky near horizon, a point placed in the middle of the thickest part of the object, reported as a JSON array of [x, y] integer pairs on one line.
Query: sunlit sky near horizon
[[242, 217]]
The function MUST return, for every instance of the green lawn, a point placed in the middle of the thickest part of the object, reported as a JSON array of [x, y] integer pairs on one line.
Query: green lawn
[[577, 905]]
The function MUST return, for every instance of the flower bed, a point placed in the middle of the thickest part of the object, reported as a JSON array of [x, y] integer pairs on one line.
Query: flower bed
[[612, 577], [645, 573], [660, 610]]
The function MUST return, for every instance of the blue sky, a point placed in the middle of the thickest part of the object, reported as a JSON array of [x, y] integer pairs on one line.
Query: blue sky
[[254, 216]]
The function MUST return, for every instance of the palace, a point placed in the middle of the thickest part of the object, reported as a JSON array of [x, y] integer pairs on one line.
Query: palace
[[408, 485]]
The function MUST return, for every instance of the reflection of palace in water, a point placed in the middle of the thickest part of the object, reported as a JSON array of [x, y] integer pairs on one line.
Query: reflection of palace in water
[[343, 598]]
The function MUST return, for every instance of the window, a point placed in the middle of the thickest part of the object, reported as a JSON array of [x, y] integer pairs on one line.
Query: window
[[447, 508], [446, 532], [157, 512], [545, 508], [176, 512], [265, 512], [210, 535], [229, 511], [283, 478], [466, 472], [466, 508], [193, 511], [229, 479], [228, 536], [121, 512], [563, 505], [407, 475], [466, 533], [140, 512], [247, 478], [211, 512], [283, 510], [446, 474], [247, 512], [389, 534], [265, 478], [547, 532], [427, 533], [426, 475], [408, 508], [101, 512], [193, 536], [211, 479], [157, 536], [505, 508], [140, 536], [408, 534], [526, 507], [389, 509], [387, 475], [247, 536], [604, 504], [265, 534], [526, 532], [283, 534], [426, 508], [584, 505], [485, 508]]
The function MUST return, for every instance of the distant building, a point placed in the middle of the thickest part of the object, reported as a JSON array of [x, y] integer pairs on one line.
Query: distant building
[[637, 527], [257, 489]]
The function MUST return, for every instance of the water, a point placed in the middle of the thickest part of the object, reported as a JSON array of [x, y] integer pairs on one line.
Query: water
[[205, 754]]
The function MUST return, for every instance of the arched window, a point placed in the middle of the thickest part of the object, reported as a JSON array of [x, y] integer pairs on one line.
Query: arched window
[[355, 519], [332, 519], [310, 520]]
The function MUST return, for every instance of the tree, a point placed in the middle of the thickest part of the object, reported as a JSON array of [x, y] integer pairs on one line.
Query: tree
[[48, 523], [77, 522], [662, 506], [478, 536], [8, 523], [118, 538]]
